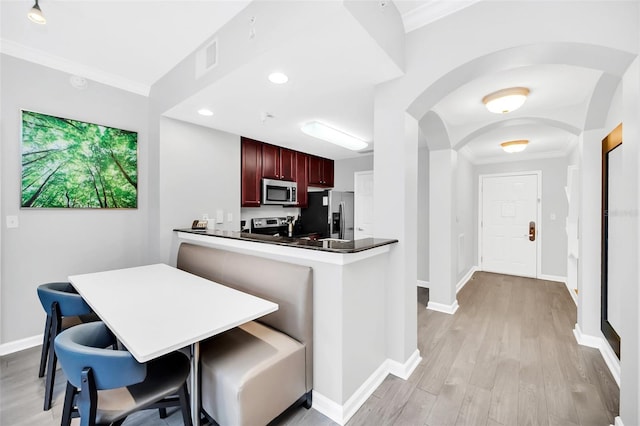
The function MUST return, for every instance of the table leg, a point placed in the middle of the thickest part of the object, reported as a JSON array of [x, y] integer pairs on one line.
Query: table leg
[[195, 383]]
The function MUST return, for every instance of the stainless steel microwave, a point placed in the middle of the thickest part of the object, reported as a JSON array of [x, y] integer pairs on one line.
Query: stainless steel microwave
[[279, 192]]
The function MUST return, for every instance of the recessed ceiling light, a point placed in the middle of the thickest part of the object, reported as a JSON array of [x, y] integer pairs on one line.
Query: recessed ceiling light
[[329, 134], [205, 112], [278, 78], [506, 100], [514, 146]]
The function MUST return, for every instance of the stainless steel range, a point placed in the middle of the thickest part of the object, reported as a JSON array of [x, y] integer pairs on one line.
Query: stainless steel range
[[270, 226]]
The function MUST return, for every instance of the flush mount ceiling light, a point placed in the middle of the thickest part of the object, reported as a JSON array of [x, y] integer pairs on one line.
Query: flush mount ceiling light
[[506, 100], [35, 14], [205, 112], [329, 134], [514, 146], [278, 78]]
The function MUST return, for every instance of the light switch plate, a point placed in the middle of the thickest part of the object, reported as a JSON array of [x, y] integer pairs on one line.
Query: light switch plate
[[229, 217], [219, 216]]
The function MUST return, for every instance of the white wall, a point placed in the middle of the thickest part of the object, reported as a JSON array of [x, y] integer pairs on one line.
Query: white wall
[[51, 244], [199, 173], [344, 170], [466, 223], [553, 235], [423, 214], [630, 338]]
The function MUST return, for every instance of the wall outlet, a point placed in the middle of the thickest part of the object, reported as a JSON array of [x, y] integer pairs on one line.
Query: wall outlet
[[219, 216], [205, 216], [12, 221]]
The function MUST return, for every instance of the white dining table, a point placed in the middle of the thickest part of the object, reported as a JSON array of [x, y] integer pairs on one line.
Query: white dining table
[[156, 309]]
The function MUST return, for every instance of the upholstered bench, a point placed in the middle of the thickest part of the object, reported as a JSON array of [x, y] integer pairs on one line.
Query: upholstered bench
[[252, 373]]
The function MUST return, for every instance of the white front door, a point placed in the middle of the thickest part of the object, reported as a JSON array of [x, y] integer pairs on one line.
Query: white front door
[[363, 205], [509, 224]]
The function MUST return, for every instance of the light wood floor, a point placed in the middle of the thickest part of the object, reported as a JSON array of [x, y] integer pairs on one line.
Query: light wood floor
[[507, 357]]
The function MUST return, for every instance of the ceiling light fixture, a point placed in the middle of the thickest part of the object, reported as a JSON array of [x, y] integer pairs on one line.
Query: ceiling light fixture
[[322, 131], [205, 112], [35, 14], [514, 146], [278, 78], [506, 100]]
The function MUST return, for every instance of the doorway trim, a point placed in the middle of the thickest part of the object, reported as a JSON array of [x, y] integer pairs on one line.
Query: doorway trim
[[539, 232], [609, 143]]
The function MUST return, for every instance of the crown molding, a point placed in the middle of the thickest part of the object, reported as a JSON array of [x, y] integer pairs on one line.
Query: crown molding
[[39, 57], [431, 11]]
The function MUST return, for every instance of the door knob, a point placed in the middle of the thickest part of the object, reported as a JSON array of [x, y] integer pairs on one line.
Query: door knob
[[532, 231]]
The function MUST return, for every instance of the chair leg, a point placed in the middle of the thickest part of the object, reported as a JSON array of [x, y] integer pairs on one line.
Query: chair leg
[[88, 398], [67, 408], [162, 412], [46, 340], [185, 406], [56, 325]]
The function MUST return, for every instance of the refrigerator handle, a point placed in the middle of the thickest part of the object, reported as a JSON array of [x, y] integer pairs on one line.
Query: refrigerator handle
[[342, 221]]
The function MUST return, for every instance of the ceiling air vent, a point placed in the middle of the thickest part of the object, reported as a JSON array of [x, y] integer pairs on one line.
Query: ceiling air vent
[[207, 58]]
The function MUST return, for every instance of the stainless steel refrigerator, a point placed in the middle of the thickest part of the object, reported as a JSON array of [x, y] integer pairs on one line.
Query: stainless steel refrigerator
[[330, 214]]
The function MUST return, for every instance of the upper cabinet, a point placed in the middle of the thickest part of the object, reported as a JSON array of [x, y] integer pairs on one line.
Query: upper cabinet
[[302, 178], [278, 163], [320, 172], [262, 160], [251, 170]]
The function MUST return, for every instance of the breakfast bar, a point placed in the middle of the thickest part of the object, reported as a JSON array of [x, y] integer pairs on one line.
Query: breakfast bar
[[349, 294]]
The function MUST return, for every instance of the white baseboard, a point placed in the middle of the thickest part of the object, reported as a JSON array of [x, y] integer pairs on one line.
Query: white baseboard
[[423, 284], [405, 370], [564, 280], [556, 278], [441, 307], [600, 343], [618, 421], [466, 278], [342, 413], [20, 345], [327, 407]]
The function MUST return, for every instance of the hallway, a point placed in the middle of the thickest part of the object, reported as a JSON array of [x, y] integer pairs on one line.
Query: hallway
[[507, 357]]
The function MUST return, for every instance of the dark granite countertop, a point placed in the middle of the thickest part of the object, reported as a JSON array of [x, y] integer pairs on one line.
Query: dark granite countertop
[[327, 246]]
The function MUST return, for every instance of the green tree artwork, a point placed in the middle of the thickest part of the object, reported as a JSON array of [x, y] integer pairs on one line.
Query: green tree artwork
[[72, 164]]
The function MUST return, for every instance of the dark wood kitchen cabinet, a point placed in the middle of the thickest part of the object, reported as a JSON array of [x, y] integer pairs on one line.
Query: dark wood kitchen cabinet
[[251, 171], [278, 163], [320, 172], [302, 178]]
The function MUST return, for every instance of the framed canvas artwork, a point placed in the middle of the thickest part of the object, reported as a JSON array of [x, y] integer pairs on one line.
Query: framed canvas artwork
[[74, 164]]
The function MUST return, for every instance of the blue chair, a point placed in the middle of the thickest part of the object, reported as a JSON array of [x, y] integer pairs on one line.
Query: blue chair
[[105, 385], [64, 308]]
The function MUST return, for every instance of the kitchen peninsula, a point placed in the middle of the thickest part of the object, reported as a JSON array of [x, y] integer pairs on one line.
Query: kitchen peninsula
[[349, 293]]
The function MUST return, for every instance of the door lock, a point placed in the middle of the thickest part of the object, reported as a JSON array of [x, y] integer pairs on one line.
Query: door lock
[[532, 231]]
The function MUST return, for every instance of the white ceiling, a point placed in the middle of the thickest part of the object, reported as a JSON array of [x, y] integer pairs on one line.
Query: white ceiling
[[332, 69]]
